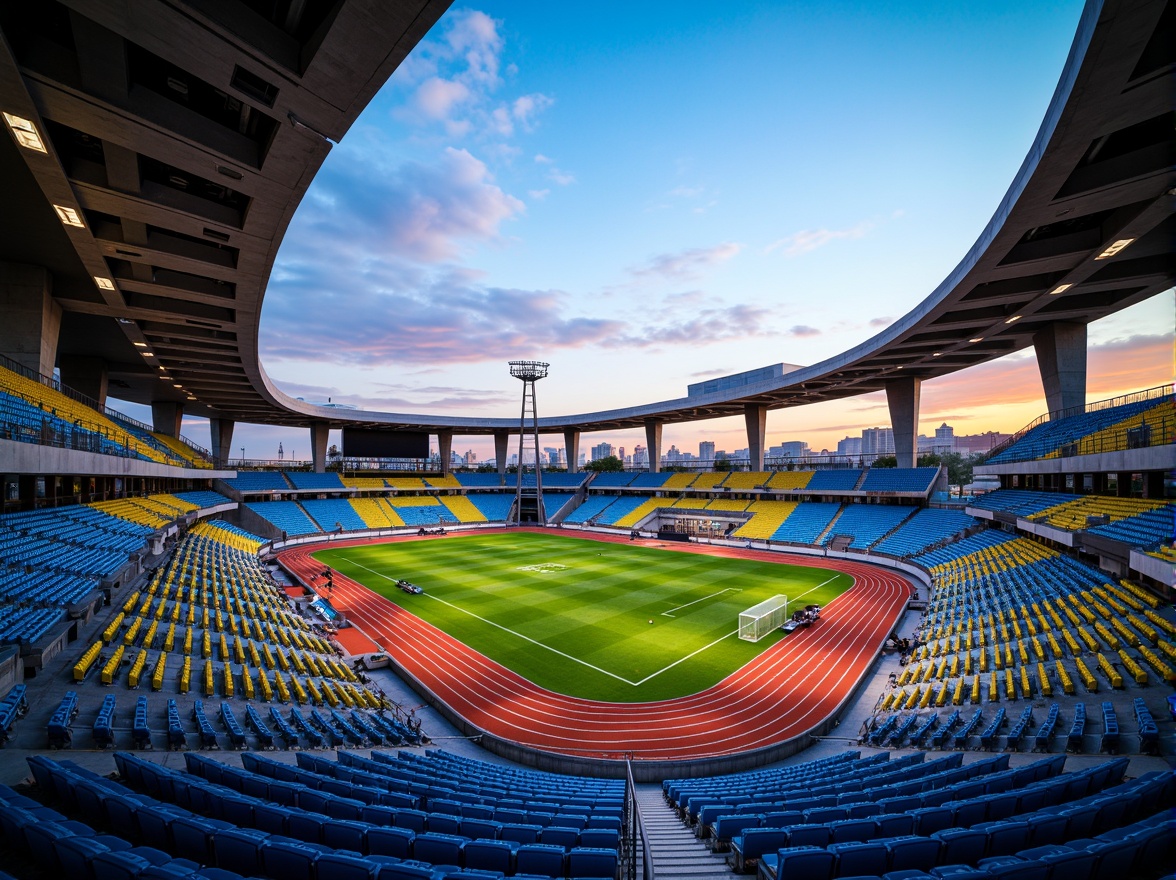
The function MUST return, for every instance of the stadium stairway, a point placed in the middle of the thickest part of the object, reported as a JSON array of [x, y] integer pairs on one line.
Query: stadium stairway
[[674, 849]]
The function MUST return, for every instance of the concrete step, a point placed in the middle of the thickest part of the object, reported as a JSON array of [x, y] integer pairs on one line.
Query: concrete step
[[675, 851]]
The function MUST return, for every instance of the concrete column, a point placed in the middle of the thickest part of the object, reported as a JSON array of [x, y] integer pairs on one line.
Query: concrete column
[[86, 375], [756, 419], [318, 445], [572, 450], [222, 439], [902, 396], [501, 444], [32, 317], [1061, 358], [445, 447], [166, 416], [653, 442]]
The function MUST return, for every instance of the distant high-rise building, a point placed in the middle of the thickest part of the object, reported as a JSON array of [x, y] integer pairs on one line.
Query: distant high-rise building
[[789, 449], [601, 450], [621, 453], [640, 457], [470, 457], [877, 441], [973, 444], [706, 450], [849, 446]]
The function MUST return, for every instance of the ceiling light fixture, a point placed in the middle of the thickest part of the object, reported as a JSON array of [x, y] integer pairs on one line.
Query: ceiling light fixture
[[177, 385], [1013, 318], [141, 344], [25, 133], [103, 283], [1115, 248], [1061, 288], [69, 216], [937, 354], [148, 354], [977, 339]]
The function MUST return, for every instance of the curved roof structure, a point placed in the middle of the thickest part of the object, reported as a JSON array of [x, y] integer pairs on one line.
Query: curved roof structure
[[184, 137]]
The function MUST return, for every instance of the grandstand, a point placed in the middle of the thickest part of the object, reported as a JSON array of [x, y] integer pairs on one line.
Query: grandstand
[[148, 602]]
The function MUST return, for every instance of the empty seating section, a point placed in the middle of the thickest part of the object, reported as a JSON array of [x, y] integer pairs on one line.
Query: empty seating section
[[406, 483], [834, 480], [1072, 514], [647, 480], [377, 513], [36, 411], [154, 511], [642, 510], [745, 480], [733, 505], [553, 502], [443, 481], [678, 480], [479, 480], [363, 482], [392, 818], [1147, 529], [926, 527], [310, 480], [1052, 438], [552, 480], [212, 621], [708, 480], [964, 547], [259, 481], [620, 509], [793, 480], [333, 513], [614, 480], [766, 518], [186, 451], [422, 510], [806, 523], [495, 507], [593, 506], [900, 479], [867, 523], [463, 509], [1020, 502], [1153, 426], [203, 499], [287, 516]]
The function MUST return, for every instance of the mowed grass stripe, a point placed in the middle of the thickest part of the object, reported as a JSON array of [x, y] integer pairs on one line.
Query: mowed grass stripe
[[594, 612]]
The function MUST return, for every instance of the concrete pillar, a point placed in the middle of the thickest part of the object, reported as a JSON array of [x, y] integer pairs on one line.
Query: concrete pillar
[[32, 317], [318, 445], [1061, 359], [756, 419], [902, 396], [166, 416], [501, 444], [572, 450], [222, 439], [653, 443], [86, 375], [445, 447]]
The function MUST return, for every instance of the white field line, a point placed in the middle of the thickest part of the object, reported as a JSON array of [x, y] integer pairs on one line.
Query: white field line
[[577, 659], [696, 601]]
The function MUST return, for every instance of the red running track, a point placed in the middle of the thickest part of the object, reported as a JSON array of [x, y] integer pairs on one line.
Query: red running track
[[786, 691]]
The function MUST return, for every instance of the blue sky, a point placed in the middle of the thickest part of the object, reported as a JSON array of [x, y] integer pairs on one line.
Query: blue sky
[[649, 194]]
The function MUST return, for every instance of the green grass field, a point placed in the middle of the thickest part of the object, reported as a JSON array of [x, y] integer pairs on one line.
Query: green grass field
[[572, 615]]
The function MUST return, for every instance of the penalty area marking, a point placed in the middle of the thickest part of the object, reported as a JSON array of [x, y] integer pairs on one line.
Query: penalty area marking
[[619, 678], [703, 599]]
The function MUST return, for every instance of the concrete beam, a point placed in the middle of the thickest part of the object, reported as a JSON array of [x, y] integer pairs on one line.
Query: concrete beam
[[318, 446], [572, 450], [166, 417], [1061, 359], [756, 419], [501, 444], [222, 439], [902, 397], [86, 375], [32, 318], [653, 442]]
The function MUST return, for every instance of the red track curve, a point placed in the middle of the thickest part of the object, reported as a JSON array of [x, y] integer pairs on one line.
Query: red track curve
[[786, 691]]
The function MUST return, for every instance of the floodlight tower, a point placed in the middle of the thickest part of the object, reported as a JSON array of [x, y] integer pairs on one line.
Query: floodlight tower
[[529, 372]]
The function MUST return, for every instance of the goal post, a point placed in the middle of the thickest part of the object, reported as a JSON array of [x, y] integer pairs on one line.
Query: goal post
[[759, 620]]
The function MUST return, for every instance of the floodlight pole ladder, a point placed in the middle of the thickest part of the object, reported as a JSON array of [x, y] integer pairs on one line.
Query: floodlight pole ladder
[[529, 372]]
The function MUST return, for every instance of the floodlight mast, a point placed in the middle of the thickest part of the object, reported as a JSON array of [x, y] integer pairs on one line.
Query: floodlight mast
[[529, 372]]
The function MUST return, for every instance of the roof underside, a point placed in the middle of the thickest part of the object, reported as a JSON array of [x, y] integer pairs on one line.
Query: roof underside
[[188, 132]]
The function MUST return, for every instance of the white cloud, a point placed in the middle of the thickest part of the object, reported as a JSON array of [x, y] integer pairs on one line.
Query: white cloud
[[687, 264], [808, 240]]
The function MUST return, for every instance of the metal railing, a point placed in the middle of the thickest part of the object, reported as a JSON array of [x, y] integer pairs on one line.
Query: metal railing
[[634, 842]]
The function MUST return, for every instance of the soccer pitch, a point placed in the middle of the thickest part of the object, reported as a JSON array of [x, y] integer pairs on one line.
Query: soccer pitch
[[572, 614]]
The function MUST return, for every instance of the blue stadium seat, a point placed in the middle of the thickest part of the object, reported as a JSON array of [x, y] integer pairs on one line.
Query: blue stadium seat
[[541, 859]]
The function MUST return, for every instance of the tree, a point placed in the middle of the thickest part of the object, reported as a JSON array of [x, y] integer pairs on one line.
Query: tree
[[610, 464], [723, 464]]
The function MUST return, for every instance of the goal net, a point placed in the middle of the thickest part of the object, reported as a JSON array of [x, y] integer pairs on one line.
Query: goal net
[[759, 620]]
